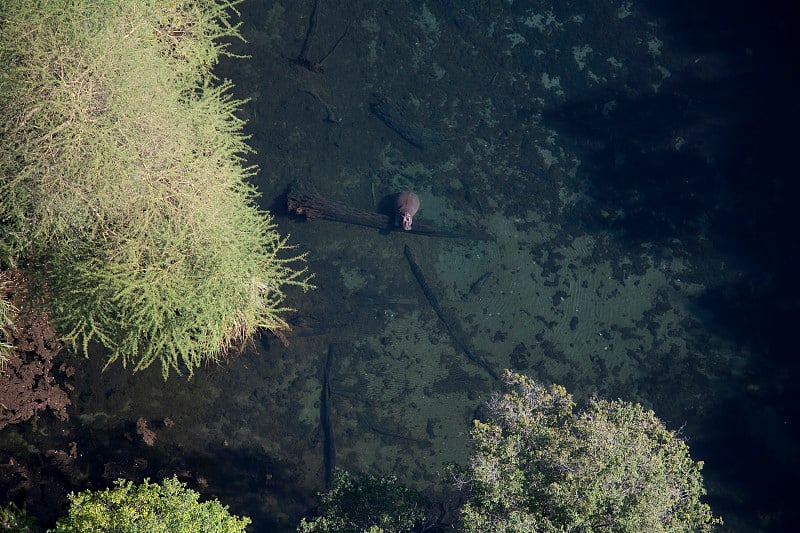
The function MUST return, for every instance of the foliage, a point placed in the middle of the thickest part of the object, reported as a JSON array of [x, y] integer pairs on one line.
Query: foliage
[[7, 313], [540, 466], [16, 520], [124, 184], [366, 504], [168, 507]]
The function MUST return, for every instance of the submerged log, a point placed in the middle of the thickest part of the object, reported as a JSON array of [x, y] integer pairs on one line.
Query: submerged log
[[448, 324], [399, 119], [328, 446], [312, 206]]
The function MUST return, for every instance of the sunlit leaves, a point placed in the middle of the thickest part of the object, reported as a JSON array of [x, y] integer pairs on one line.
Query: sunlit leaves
[[541, 466], [128, 193], [166, 507]]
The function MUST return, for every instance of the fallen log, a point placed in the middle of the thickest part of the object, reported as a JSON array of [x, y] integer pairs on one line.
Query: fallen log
[[313, 206], [448, 324], [328, 446]]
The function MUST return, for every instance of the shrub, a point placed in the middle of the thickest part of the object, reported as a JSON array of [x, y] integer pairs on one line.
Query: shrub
[[540, 466], [168, 507], [124, 184], [16, 520], [7, 313], [366, 504]]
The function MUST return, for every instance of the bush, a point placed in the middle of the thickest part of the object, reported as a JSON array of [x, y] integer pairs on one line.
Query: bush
[[539, 466], [168, 507], [16, 520], [7, 313], [123, 181], [366, 504]]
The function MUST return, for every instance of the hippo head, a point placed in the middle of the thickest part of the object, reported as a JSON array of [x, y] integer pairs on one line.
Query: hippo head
[[407, 205], [407, 219]]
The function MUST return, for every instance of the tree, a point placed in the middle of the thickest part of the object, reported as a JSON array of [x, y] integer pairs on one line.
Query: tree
[[125, 192], [168, 507], [541, 466], [366, 504]]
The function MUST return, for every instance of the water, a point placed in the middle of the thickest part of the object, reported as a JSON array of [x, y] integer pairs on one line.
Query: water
[[630, 160]]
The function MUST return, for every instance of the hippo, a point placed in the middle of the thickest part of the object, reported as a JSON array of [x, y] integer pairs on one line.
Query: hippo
[[407, 205]]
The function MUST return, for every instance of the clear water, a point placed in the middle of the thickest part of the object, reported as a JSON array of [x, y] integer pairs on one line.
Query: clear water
[[628, 159]]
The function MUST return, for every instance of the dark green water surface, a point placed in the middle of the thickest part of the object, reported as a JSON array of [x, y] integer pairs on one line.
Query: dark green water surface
[[629, 159]]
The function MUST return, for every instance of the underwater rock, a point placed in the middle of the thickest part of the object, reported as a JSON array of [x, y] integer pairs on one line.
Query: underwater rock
[[147, 434], [28, 384]]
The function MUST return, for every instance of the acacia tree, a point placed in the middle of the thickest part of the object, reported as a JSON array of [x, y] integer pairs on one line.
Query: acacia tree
[[125, 192], [541, 466]]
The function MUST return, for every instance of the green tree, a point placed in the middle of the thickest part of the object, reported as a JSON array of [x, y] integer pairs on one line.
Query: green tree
[[366, 504], [541, 466], [167, 507], [125, 191]]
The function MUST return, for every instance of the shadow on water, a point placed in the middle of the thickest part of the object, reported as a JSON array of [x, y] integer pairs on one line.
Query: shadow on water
[[203, 446], [658, 193], [738, 119]]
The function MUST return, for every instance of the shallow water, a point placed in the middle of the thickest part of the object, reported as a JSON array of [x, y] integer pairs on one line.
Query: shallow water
[[627, 159]]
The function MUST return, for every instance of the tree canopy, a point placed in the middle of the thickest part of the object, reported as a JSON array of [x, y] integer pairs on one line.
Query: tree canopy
[[366, 504], [540, 465], [166, 507]]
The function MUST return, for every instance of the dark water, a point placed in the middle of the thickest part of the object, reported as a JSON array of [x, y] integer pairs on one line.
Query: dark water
[[633, 162]]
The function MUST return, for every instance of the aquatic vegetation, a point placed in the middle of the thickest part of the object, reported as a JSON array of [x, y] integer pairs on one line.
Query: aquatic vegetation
[[127, 191]]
